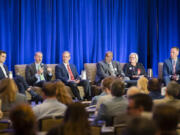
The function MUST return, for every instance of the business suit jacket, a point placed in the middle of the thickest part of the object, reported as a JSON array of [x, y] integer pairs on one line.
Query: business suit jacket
[[31, 71], [103, 70], [2, 76], [168, 69], [62, 73], [112, 108]]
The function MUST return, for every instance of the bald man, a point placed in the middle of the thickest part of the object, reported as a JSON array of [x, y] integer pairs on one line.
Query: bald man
[[108, 67]]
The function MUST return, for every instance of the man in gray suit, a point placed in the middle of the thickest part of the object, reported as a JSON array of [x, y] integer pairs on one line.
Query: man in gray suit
[[107, 67], [114, 107]]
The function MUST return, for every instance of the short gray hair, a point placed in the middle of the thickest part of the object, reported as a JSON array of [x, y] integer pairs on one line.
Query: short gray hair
[[136, 55]]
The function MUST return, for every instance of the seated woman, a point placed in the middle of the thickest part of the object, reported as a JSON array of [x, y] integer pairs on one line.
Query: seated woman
[[23, 120], [9, 94], [133, 69], [75, 122], [61, 93]]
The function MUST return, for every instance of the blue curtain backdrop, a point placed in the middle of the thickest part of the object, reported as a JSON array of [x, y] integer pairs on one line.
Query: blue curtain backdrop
[[89, 28]]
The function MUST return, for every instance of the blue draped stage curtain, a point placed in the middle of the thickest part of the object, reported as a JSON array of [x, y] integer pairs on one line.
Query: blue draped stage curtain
[[87, 29]]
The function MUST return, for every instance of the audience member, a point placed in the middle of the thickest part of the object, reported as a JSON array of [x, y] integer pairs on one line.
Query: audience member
[[61, 93], [68, 74], [133, 69], [9, 94], [140, 126], [166, 119], [171, 67], [170, 98], [140, 105], [37, 73], [132, 91], [51, 106], [23, 120], [115, 106], [75, 122], [108, 67], [142, 84], [154, 86], [106, 83]]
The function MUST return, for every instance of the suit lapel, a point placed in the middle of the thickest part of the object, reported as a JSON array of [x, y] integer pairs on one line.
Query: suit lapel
[[34, 67], [64, 68]]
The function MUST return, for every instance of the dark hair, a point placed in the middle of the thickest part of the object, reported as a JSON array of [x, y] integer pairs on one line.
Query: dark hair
[[166, 117], [75, 121], [23, 120], [140, 126], [154, 84], [1, 52], [117, 88], [49, 89], [106, 83], [173, 89], [142, 100]]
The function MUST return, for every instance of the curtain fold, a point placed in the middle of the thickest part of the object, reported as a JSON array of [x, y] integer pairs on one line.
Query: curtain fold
[[89, 28]]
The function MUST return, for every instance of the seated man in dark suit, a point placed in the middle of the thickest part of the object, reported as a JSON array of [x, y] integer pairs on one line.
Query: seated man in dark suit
[[107, 68], [37, 73], [171, 67], [20, 82], [67, 73]]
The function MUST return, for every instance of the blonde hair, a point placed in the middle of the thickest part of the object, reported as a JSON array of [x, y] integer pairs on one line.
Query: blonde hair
[[142, 84], [62, 94], [8, 90]]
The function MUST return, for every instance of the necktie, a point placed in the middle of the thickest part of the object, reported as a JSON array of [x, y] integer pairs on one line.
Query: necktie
[[111, 69], [70, 72], [41, 75], [174, 66]]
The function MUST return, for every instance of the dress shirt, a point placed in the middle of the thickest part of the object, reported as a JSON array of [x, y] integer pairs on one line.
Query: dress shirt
[[3, 69]]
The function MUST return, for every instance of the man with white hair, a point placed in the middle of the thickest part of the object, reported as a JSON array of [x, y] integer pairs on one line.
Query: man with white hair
[[133, 69]]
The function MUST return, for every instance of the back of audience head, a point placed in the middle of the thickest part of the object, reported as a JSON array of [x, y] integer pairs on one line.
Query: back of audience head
[[106, 84], [76, 120], [8, 90], [173, 89], [23, 120], [117, 88], [140, 126], [132, 91], [61, 94], [139, 103], [49, 89], [154, 84], [142, 84], [166, 118]]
